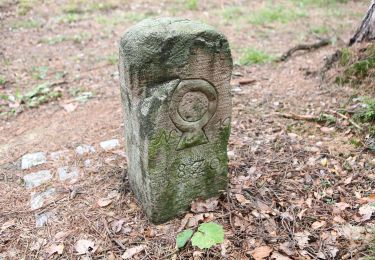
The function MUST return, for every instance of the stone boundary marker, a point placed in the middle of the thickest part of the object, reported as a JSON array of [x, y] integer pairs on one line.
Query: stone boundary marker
[[175, 87]]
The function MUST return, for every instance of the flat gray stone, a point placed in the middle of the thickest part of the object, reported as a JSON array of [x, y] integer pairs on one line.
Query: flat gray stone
[[35, 179], [67, 173], [84, 149], [58, 155], [87, 163], [43, 218], [33, 159], [175, 88], [110, 144], [38, 198]]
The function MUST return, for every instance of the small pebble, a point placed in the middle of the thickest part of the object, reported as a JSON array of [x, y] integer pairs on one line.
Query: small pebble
[[85, 148], [66, 173], [36, 179], [38, 198], [33, 159], [109, 144]]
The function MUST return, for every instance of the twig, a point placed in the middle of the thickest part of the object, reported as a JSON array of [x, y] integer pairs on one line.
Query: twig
[[304, 47], [347, 118], [299, 117]]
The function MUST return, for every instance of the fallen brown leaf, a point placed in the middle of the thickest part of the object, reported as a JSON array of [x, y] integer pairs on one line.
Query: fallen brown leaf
[[129, 253], [104, 202], [200, 206], [261, 252], [318, 224], [55, 249], [85, 246]]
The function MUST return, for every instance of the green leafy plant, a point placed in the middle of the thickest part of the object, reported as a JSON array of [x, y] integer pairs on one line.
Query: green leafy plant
[[183, 238], [207, 235]]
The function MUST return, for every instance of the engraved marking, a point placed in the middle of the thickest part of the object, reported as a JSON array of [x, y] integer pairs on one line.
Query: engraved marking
[[193, 167], [215, 164], [192, 131]]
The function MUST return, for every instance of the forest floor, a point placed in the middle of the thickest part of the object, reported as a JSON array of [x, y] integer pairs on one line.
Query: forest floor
[[299, 189]]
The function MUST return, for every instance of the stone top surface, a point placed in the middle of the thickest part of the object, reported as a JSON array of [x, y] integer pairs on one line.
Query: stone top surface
[[166, 41]]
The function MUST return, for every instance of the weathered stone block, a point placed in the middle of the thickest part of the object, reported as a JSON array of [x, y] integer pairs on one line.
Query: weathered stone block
[[175, 76]]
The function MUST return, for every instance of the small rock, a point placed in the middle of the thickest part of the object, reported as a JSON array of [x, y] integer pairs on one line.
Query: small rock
[[85, 148], [41, 219], [109, 144], [66, 173], [35, 179], [37, 199], [231, 154], [59, 155], [87, 163], [33, 159]]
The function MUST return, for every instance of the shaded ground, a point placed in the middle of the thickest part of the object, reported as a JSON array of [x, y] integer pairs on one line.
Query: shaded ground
[[297, 187]]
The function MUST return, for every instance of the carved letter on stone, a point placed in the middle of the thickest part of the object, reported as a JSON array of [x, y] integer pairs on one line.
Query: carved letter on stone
[[175, 76]]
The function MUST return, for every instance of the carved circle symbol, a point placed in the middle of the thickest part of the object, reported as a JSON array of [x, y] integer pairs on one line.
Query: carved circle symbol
[[191, 86], [193, 94]]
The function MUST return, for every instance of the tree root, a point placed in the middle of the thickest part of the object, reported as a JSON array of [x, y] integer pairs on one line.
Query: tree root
[[304, 47]]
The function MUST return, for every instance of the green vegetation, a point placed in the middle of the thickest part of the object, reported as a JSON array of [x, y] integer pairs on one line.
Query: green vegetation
[[320, 30], [77, 38], [80, 6], [2, 80], [276, 13], [112, 59], [326, 118], [231, 13], [191, 4], [207, 235], [40, 72], [357, 72], [367, 113], [41, 94], [118, 18], [69, 18], [25, 24], [24, 6], [320, 3], [254, 56]]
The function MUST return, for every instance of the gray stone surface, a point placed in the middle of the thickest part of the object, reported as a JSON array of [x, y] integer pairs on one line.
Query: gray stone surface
[[85, 149], [42, 218], [33, 159], [175, 77], [109, 144], [35, 179], [58, 155], [67, 173], [38, 198]]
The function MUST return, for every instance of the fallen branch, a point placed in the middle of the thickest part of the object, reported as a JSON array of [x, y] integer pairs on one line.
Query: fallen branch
[[347, 118], [304, 47], [299, 117]]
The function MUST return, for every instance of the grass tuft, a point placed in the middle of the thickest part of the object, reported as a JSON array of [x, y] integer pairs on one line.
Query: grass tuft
[[191, 4], [254, 56], [273, 14], [231, 13], [367, 113]]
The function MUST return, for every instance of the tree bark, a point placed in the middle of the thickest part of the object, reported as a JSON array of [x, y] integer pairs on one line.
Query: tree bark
[[366, 31]]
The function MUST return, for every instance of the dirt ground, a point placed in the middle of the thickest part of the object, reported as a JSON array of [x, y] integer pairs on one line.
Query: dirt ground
[[297, 188]]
